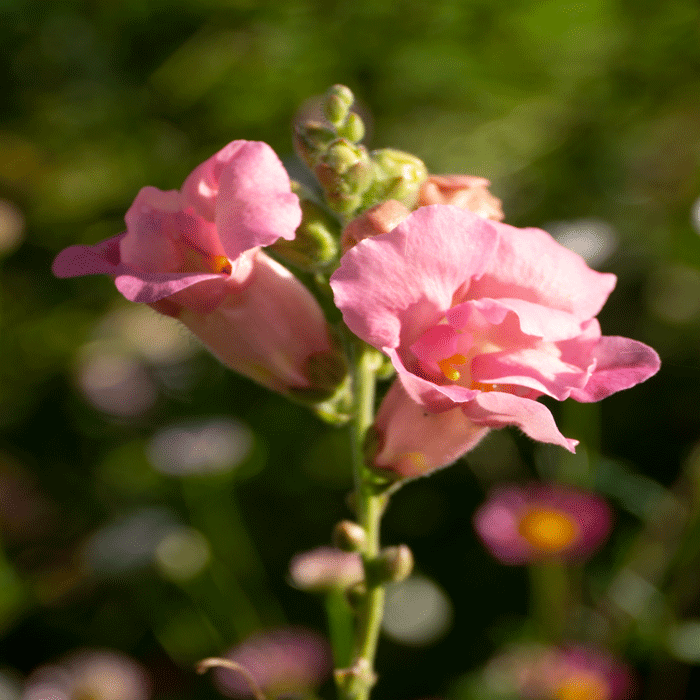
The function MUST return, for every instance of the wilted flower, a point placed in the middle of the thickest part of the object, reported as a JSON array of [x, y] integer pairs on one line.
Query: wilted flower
[[98, 674], [288, 661], [520, 525], [485, 318], [326, 568]]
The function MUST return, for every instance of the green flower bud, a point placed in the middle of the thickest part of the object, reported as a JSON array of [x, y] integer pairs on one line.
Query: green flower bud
[[311, 141], [342, 155], [353, 129], [345, 172], [316, 242], [397, 175], [337, 103], [393, 564], [349, 536]]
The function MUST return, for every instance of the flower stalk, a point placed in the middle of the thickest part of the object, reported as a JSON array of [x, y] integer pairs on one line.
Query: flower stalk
[[355, 682]]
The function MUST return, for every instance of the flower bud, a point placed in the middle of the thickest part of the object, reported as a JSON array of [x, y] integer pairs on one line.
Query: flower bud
[[353, 129], [393, 564], [311, 141], [337, 103], [315, 243], [326, 568], [381, 218], [397, 175], [349, 536]]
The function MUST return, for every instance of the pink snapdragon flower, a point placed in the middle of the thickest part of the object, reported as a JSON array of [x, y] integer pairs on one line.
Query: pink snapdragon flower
[[519, 525], [194, 254], [483, 317]]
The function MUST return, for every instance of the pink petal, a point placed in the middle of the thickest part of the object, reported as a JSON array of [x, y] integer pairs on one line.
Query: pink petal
[[99, 259], [266, 330], [496, 409], [255, 205], [531, 367], [201, 187], [530, 265], [394, 286], [534, 319], [434, 396], [621, 363], [136, 285], [148, 287], [414, 441]]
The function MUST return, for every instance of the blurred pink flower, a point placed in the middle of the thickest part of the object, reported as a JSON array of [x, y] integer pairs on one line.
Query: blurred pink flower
[[562, 673], [326, 568], [99, 674], [194, 254], [485, 317], [287, 661], [519, 525]]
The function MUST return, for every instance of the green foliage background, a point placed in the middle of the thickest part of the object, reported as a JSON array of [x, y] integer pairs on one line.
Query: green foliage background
[[574, 110]]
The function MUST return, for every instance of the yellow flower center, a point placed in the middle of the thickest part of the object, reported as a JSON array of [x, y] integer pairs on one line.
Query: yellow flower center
[[197, 261], [583, 686], [219, 263], [548, 529], [483, 387], [447, 366]]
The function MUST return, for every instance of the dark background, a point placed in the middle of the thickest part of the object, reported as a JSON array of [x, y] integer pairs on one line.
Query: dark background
[[586, 118]]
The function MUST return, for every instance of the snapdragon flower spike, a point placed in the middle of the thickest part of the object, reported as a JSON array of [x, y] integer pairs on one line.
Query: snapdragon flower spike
[[485, 317], [194, 254], [521, 525]]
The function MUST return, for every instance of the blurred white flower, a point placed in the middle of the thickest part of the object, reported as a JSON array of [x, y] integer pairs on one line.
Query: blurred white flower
[[182, 554], [595, 240], [200, 447], [417, 611], [130, 542], [114, 381], [158, 338]]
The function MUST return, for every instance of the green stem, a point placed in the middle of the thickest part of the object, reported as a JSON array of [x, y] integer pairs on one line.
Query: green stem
[[550, 596], [357, 682]]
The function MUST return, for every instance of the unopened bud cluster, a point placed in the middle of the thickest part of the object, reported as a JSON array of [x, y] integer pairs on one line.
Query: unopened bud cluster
[[353, 179]]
